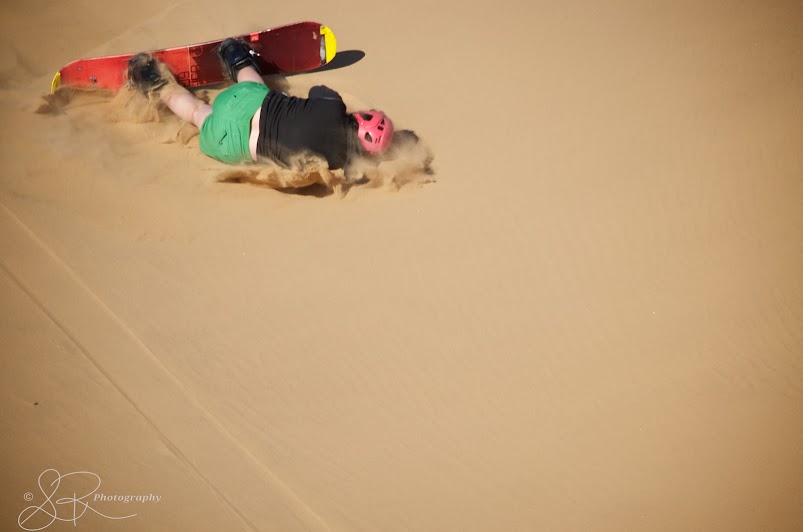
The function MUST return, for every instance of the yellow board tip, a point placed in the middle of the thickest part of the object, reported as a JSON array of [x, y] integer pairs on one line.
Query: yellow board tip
[[56, 83], [330, 42]]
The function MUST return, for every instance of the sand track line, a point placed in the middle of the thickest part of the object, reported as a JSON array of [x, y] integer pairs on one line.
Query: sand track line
[[260, 499]]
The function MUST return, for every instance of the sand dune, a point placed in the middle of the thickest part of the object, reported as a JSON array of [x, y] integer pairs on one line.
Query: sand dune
[[589, 320]]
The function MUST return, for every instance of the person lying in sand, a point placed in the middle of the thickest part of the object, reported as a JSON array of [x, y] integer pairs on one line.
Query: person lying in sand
[[248, 121]]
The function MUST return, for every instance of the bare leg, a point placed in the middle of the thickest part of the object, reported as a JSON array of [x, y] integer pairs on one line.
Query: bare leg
[[249, 73], [189, 108], [184, 104]]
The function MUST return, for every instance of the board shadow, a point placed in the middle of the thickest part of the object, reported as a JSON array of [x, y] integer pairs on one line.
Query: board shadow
[[343, 59]]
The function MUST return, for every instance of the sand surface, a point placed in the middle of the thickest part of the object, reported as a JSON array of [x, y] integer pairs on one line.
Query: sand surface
[[592, 320]]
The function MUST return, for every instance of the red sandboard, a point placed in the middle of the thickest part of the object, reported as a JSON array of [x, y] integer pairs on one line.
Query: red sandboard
[[287, 49]]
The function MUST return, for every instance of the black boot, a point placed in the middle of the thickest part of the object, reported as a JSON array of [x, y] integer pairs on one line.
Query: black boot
[[236, 55], [144, 75]]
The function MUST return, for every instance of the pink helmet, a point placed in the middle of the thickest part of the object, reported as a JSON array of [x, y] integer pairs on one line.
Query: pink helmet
[[375, 130]]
